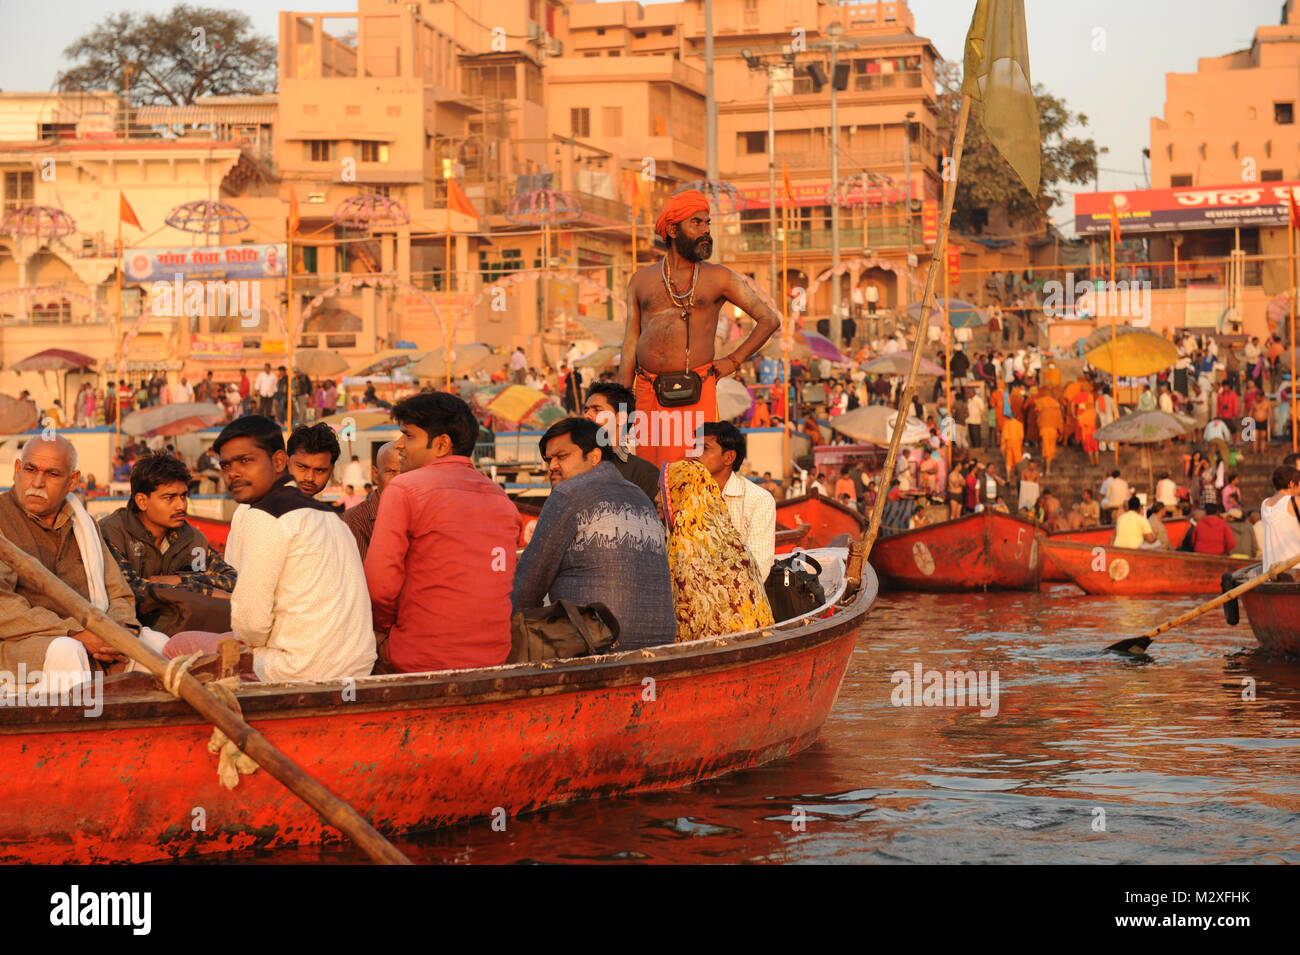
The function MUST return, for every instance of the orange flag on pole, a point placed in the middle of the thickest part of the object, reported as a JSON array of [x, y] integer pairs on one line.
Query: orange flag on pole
[[1116, 236], [456, 199], [126, 213], [294, 217], [785, 179], [1295, 212]]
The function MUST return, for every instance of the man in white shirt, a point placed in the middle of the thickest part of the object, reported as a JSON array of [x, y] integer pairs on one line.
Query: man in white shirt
[[1166, 491], [264, 388], [873, 298], [976, 412], [301, 601], [752, 509], [1115, 493]]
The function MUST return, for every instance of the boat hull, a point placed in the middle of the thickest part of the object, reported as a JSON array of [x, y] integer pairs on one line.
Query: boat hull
[[1122, 571], [1102, 536], [828, 518], [414, 752], [984, 551], [1273, 610]]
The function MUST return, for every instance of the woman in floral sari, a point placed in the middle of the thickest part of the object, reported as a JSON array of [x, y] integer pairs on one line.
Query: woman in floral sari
[[716, 586]]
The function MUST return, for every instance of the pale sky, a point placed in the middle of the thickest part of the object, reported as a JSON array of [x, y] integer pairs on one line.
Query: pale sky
[[1118, 88]]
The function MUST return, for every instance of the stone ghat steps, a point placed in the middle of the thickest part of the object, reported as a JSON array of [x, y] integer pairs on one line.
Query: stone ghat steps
[[1072, 472]]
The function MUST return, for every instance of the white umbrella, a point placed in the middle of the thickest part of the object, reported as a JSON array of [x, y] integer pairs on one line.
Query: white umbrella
[[734, 399], [874, 424]]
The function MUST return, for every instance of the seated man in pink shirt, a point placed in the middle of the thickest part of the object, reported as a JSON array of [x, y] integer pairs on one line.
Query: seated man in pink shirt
[[441, 562]]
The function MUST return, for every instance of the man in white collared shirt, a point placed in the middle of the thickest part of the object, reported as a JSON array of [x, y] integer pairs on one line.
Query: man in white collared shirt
[[752, 509]]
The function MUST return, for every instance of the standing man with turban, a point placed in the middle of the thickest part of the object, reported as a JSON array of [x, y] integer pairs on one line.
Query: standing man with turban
[[672, 319]]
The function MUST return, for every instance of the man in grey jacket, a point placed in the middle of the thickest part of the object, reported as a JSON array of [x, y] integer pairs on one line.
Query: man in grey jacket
[[598, 539]]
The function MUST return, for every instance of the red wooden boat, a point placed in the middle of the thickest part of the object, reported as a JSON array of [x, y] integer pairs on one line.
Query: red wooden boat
[[984, 551], [1102, 535], [1124, 571], [417, 751], [1273, 610], [788, 538], [829, 519]]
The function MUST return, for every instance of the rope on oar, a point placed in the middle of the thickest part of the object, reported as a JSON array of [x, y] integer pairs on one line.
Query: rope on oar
[[231, 760]]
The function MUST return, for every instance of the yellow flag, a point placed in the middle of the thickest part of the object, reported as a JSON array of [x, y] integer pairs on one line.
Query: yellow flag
[[997, 77]]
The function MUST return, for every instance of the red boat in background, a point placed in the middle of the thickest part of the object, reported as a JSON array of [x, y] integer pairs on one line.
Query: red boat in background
[[985, 551], [214, 530], [828, 519], [1273, 610], [1102, 535], [1123, 571]]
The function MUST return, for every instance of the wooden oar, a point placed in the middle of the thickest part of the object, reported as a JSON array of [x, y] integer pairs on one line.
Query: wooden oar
[[1138, 644], [332, 809]]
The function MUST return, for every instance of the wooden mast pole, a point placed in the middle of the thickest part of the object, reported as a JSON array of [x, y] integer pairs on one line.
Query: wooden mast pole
[[860, 550]]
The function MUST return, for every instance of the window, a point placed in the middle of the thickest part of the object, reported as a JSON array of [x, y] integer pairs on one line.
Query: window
[[374, 152], [320, 150], [58, 130], [639, 34], [615, 52], [20, 189], [580, 122], [1177, 181], [751, 143], [310, 261], [600, 31], [1270, 175], [1284, 113], [666, 31]]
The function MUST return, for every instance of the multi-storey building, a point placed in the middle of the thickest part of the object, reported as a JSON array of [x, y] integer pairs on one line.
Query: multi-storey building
[[556, 119]]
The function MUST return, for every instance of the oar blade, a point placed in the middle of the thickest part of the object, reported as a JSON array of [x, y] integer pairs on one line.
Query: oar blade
[[1131, 645]]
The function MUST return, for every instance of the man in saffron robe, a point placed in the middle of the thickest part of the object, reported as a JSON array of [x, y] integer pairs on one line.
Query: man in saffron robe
[[1013, 441], [1050, 424], [672, 320]]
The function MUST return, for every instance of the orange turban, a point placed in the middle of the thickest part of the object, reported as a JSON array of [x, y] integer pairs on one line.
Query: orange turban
[[679, 208]]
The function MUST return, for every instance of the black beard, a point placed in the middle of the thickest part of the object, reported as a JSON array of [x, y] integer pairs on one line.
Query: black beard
[[690, 250]]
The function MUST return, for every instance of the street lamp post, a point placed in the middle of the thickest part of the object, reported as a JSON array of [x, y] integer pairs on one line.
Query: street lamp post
[[834, 30], [907, 210]]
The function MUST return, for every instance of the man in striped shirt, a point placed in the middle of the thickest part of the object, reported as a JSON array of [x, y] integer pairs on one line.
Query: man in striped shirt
[[752, 509]]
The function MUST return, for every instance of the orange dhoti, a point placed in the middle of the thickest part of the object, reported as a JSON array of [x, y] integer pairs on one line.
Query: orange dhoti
[[1013, 442], [1048, 436], [663, 435]]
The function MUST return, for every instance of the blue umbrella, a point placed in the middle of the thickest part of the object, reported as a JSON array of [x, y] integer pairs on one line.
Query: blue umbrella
[[960, 314]]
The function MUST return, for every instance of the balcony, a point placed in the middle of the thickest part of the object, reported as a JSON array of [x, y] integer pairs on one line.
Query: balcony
[[879, 237]]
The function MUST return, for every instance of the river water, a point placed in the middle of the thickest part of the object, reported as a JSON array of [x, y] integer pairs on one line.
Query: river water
[[1091, 757]]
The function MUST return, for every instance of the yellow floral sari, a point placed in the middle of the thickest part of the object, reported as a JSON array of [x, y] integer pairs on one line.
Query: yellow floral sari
[[716, 586]]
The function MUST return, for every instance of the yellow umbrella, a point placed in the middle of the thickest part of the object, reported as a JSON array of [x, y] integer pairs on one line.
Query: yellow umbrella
[[515, 403], [1140, 352]]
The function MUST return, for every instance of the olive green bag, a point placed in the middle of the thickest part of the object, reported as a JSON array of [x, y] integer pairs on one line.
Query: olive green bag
[[560, 631]]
